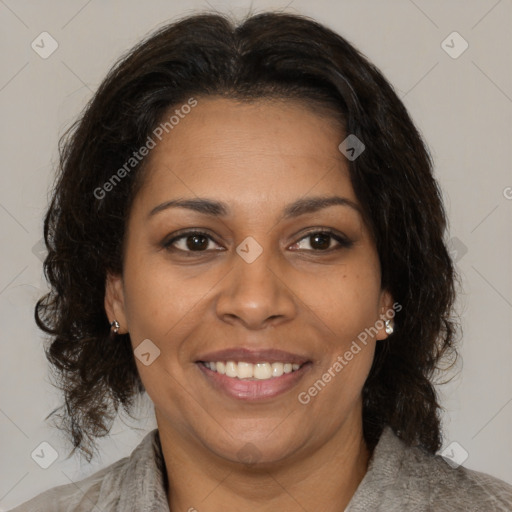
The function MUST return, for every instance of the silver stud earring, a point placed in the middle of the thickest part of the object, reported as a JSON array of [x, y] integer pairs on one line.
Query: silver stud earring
[[115, 326], [389, 327]]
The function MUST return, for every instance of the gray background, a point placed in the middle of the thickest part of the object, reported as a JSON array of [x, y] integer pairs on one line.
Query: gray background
[[463, 107]]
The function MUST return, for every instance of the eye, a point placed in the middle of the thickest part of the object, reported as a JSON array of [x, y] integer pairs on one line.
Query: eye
[[199, 241], [190, 241], [320, 241]]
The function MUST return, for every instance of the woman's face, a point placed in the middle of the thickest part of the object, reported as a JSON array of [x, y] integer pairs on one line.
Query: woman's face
[[261, 278]]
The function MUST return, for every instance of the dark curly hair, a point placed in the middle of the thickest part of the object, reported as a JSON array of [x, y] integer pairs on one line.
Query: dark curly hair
[[269, 55]]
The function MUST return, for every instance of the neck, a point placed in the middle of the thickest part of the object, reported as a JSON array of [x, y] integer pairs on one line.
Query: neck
[[323, 478]]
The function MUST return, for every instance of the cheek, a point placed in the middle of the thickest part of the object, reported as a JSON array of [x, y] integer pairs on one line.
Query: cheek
[[159, 298], [337, 386], [347, 302]]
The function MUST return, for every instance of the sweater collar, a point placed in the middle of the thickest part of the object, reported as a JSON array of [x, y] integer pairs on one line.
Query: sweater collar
[[143, 487]]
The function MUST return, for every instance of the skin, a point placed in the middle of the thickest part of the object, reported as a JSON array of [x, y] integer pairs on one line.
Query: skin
[[296, 296]]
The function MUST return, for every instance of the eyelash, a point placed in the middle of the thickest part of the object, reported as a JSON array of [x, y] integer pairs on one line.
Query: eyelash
[[344, 242]]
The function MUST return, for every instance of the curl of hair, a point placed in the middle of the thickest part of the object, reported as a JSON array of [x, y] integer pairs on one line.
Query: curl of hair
[[270, 55]]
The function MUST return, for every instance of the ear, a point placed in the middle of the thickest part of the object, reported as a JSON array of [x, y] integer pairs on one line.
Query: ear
[[114, 301], [387, 312]]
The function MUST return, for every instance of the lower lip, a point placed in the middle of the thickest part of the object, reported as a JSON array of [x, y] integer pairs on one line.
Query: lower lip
[[252, 390]]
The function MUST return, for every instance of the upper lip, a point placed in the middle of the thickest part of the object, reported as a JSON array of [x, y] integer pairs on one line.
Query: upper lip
[[253, 356]]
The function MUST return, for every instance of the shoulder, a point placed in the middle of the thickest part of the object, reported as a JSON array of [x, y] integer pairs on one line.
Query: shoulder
[[77, 496], [107, 489], [402, 477], [446, 487]]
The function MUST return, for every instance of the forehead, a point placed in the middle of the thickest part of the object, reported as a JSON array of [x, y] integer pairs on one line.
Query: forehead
[[248, 153]]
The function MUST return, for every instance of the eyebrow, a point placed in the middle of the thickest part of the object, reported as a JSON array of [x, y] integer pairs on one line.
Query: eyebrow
[[210, 207]]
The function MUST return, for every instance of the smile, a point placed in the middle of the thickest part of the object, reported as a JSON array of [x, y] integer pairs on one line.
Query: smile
[[252, 381], [257, 371]]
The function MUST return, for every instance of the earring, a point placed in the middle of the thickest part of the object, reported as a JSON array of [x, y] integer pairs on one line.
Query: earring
[[115, 326], [389, 326]]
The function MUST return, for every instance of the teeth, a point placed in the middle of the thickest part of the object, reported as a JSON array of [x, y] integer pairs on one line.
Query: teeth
[[277, 369], [258, 371], [231, 368], [245, 370], [261, 371]]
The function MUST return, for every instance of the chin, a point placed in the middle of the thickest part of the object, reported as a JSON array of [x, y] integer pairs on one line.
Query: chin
[[258, 452]]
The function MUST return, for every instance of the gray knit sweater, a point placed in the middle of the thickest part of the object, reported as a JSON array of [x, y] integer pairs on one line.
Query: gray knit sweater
[[399, 478]]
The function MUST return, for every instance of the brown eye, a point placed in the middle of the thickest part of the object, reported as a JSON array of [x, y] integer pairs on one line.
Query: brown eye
[[320, 241], [192, 241], [196, 242]]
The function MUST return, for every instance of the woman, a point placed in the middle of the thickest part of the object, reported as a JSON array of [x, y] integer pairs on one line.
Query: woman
[[290, 354]]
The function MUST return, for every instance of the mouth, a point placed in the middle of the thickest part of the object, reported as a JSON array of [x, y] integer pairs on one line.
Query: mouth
[[253, 375], [250, 371]]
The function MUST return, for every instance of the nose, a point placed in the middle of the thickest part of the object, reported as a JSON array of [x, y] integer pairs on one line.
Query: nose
[[256, 294]]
